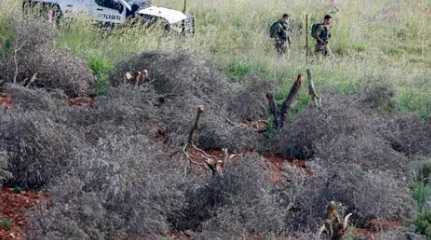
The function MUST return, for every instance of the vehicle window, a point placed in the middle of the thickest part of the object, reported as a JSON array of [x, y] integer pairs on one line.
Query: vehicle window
[[112, 4]]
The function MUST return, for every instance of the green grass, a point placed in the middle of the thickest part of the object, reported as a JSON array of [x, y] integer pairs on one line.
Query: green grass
[[101, 68], [423, 224], [6, 35], [370, 38], [421, 193], [6, 224]]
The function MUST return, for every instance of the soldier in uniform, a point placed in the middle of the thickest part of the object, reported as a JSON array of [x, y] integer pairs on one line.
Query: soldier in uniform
[[279, 32], [321, 32]]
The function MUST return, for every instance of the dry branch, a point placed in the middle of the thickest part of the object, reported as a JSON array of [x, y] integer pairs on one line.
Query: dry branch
[[273, 109], [200, 110], [32, 79], [280, 115], [287, 104]]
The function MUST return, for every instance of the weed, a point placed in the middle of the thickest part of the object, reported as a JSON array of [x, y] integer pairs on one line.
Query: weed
[[421, 193], [17, 189], [423, 224], [100, 67], [6, 224]]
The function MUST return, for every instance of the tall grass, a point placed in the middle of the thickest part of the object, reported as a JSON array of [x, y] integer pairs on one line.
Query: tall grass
[[383, 40]]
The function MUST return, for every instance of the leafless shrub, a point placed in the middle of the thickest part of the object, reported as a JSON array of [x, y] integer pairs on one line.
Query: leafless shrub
[[59, 69], [235, 138], [248, 206], [367, 195], [179, 90], [29, 35], [122, 189], [34, 59], [27, 99], [342, 132], [112, 177], [248, 103], [399, 234], [191, 74], [408, 134], [38, 149], [368, 150], [5, 175], [378, 93]]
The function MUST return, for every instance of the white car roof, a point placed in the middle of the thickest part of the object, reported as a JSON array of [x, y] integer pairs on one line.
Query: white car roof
[[172, 16]]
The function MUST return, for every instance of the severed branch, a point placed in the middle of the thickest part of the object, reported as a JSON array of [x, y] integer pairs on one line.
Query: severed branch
[[32, 79], [312, 90], [287, 104], [15, 60], [200, 110], [273, 109], [280, 115]]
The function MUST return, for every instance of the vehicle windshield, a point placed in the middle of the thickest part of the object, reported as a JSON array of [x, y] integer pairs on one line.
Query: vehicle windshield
[[140, 3], [112, 4]]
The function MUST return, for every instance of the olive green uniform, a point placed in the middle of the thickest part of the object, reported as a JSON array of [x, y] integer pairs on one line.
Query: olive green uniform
[[322, 37], [281, 38]]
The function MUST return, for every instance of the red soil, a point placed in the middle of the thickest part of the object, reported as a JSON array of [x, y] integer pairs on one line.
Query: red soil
[[13, 207], [81, 102]]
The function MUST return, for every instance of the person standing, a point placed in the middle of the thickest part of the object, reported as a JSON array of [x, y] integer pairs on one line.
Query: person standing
[[321, 33], [280, 33]]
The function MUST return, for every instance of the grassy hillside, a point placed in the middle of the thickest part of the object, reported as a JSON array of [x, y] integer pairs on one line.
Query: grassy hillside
[[385, 42], [120, 165]]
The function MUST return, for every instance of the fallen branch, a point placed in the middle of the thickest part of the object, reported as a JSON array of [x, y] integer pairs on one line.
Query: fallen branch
[[312, 90]]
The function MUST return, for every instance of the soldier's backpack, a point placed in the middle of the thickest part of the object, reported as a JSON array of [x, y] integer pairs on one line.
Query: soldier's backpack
[[314, 29], [273, 30]]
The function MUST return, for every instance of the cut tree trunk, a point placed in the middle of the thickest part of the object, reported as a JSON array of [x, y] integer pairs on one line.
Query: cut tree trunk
[[199, 111], [280, 115]]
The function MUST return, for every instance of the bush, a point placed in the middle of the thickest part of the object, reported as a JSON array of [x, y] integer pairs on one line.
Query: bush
[[100, 68], [423, 224], [121, 189], [38, 149], [421, 193], [244, 203], [115, 171], [33, 53], [367, 195], [249, 103]]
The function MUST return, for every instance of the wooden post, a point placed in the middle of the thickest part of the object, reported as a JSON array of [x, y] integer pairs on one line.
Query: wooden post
[[312, 89], [185, 6], [307, 54]]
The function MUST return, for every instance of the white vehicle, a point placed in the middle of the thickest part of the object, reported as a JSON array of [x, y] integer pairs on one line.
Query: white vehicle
[[113, 11]]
